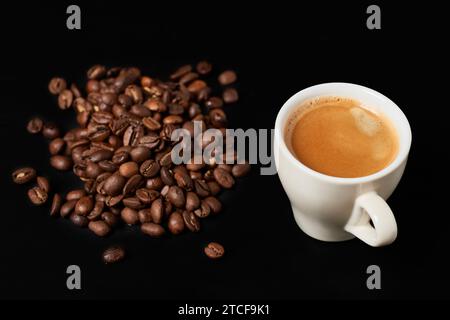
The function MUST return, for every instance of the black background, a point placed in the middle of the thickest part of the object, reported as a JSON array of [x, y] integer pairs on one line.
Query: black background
[[277, 49]]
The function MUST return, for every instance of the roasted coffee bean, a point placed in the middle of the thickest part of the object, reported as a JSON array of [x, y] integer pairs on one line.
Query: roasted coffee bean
[[203, 211], [154, 183], [37, 196], [129, 169], [56, 204], [188, 77], [176, 196], [192, 201], [196, 86], [191, 221], [223, 178], [93, 170], [57, 85], [133, 203], [165, 191], [166, 160], [181, 71], [120, 157], [60, 162], [218, 118], [157, 210], [113, 255], [149, 168], [133, 135], [173, 119], [214, 102], [65, 99], [35, 125], [84, 206], [214, 204], [214, 250], [110, 218], [225, 167], [195, 175], [112, 201], [209, 175], [230, 95], [151, 124], [155, 105], [79, 221], [135, 92], [240, 170], [75, 90], [152, 229], [107, 165], [214, 187], [204, 67], [50, 131], [175, 223], [23, 175], [183, 179], [227, 77], [96, 72], [75, 194], [43, 183], [56, 146], [201, 188], [146, 81], [102, 117], [129, 216], [67, 208], [140, 154], [146, 196], [96, 211], [114, 184], [133, 184], [100, 228], [144, 215], [167, 176]]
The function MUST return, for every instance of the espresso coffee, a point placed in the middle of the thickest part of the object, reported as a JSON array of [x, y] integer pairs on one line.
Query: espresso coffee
[[338, 137]]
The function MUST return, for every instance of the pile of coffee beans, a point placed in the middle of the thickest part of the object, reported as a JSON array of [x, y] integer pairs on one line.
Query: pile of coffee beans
[[121, 151]]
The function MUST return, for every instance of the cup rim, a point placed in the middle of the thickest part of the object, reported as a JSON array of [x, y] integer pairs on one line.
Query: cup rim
[[401, 156]]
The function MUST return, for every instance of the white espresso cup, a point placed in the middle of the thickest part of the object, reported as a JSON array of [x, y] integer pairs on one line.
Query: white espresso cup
[[335, 209]]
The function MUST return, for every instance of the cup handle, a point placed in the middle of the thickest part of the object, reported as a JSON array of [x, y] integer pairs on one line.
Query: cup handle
[[370, 206]]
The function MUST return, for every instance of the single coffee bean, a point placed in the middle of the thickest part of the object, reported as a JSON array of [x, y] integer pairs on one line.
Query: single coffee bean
[[120, 157], [214, 250], [84, 205], [151, 124], [181, 71], [176, 196], [114, 184], [133, 184], [204, 67], [57, 85], [167, 176], [65, 99], [149, 168], [110, 218], [128, 169], [35, 125], [188, 77], [146, 196], [230, 95], [93, 170], [201, 188], [176, 223], [144, 215], [203, 211], [165, 191], [195, 175], [223, 178], [214, 204], [157, 210], [100, 228], [154, 183], [75, 194], [112, 201], [191, 221], [67, 208], [56, 146], [152, 229], [214, 187], [133, 203], [113, 254], [43, 183], [196, 86], [129, 216], [60, 162], [107, 165], [225, 167], [23, 175], [80, 221], [96, 211], [50, 131], [96, 72], [227, 77], [140, 154], [192, 201], [37, 196], [240, 170], [214, 102], [56, 204]]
